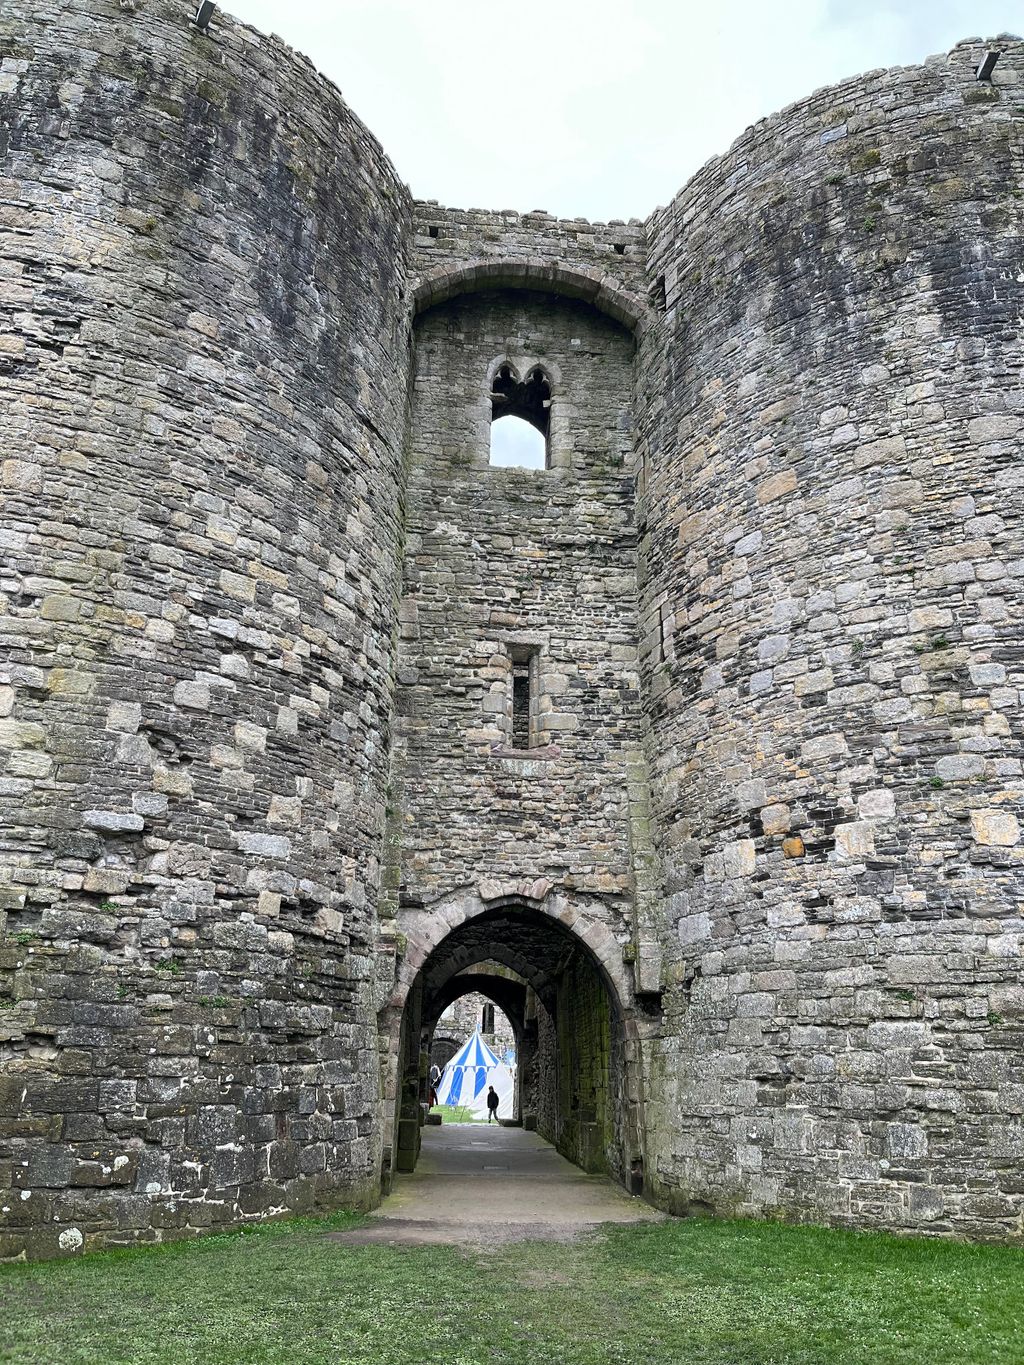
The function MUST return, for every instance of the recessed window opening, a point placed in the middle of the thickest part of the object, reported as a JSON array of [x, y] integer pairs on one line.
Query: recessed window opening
[[520, 418], [524, 688], [488, 1019], [521, 706]]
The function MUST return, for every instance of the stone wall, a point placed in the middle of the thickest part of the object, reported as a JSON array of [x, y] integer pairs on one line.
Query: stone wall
[[505, 559], [449, 241], [202, 372], [771, 586], [833, 559], [588, 1071]]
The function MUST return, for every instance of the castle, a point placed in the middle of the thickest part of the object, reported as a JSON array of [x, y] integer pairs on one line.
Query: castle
[[697, 751]]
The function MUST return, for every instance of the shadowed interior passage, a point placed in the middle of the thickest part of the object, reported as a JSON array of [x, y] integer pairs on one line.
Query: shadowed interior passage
[[475, 1183], [569, 1033]]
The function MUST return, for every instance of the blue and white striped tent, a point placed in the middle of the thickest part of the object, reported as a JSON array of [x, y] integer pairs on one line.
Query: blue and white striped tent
[[467, 1076]]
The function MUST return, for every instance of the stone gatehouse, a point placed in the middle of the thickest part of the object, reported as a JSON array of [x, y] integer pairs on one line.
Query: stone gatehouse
[[697, 748]]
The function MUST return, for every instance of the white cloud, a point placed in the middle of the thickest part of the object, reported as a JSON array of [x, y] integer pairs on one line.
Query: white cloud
[[592, 107]]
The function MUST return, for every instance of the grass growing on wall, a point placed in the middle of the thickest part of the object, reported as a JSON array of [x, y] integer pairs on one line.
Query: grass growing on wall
[[710, 1293]]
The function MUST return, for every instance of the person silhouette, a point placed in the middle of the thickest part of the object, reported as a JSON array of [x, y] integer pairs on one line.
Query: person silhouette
[[492, 1104]]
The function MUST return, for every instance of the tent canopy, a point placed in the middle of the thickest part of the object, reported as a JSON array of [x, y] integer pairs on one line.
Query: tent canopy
[[467, 1076]]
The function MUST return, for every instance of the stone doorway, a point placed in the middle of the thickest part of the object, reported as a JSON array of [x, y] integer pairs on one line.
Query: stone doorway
[[578, 1076]]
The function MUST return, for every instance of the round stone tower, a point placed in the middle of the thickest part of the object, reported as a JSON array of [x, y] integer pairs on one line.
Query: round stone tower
[[832, 599], [203, 372]]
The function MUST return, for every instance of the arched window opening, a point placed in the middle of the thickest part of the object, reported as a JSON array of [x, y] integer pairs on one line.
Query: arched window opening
[[536, 400], [504, 385], [517, 445], [520, 418]]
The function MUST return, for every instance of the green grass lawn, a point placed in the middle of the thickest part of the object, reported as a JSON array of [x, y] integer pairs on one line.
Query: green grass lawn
[[456, 1113], [693, 1292]]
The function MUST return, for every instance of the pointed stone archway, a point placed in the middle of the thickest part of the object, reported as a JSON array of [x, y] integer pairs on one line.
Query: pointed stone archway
[[579, 1043]]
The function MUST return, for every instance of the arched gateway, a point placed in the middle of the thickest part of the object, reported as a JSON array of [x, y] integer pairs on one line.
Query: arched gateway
[[558, 974], [518, 832]]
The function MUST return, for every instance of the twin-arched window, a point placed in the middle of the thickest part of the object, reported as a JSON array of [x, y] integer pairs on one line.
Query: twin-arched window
[[520, 417]]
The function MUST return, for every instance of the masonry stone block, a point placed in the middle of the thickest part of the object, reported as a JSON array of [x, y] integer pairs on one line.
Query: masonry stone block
[[995, 827], [272, 602]]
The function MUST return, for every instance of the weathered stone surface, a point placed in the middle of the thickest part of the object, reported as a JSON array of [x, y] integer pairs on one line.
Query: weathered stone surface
[[998, 827], [847, 632], [187, 342], [776, 818], [113, 820], [260, 613]]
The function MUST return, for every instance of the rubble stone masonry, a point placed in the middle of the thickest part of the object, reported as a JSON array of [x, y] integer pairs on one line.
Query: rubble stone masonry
[[262, 595], [203, 396], [833, 552]]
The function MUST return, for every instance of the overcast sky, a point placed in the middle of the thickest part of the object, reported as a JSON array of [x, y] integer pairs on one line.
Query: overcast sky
[[596, 108]]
